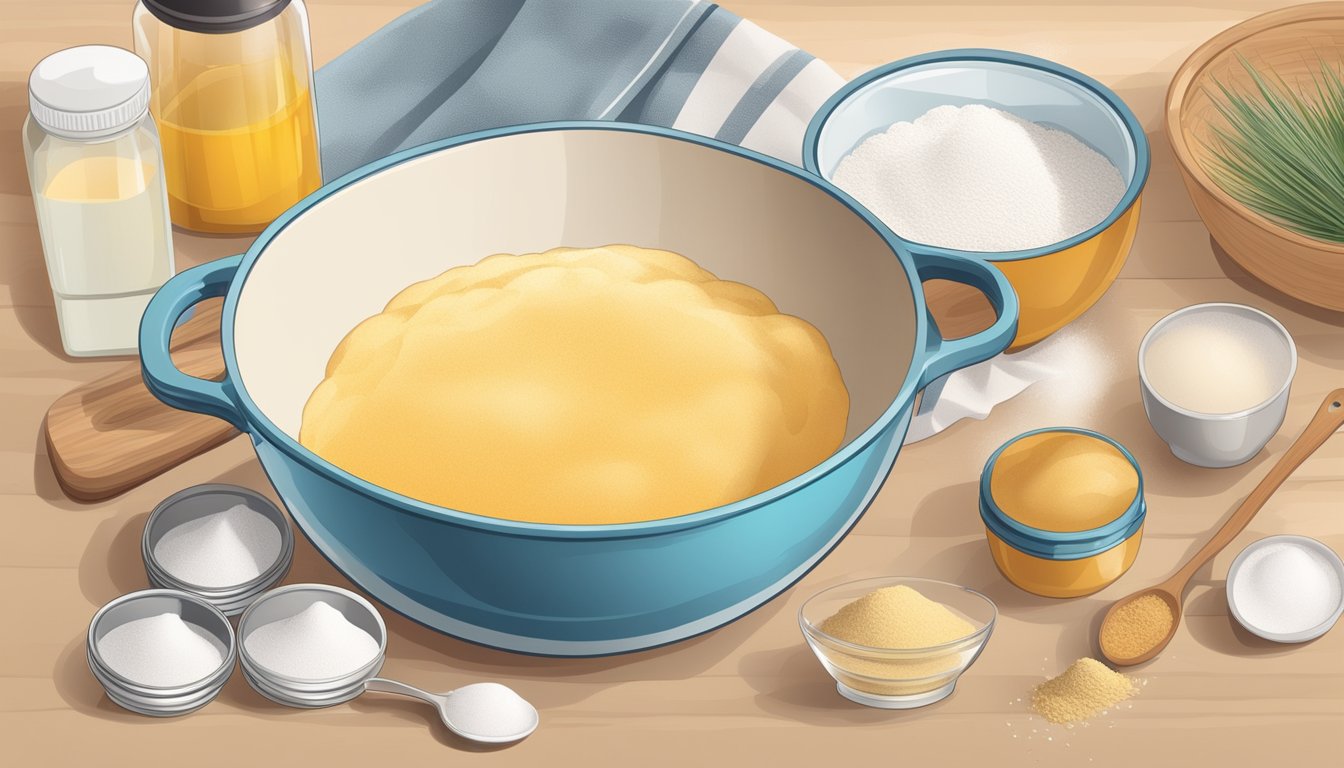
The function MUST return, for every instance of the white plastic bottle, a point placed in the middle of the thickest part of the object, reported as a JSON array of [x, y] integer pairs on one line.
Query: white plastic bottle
[[96, 173]]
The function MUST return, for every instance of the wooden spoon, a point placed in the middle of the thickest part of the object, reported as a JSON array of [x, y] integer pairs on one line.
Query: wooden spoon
[[1329, 417]]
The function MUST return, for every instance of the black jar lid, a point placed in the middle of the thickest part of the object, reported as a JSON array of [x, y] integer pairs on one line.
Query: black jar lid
[[215, 16]]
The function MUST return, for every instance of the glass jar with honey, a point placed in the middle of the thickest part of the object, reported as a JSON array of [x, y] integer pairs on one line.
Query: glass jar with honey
[[233, 99]]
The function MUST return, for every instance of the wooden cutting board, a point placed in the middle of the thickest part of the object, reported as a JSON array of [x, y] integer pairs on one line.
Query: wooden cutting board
[[110, 435]]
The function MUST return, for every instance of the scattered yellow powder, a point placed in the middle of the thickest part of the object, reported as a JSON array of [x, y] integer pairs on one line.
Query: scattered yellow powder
[[1086, 688], [896, 618], [1136, 627]]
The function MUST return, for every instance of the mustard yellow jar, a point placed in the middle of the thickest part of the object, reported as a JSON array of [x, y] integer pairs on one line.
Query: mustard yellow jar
[[1063, 510]]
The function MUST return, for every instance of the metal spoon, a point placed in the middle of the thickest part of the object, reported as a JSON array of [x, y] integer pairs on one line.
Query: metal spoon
[[460, 709], [1329, 417]]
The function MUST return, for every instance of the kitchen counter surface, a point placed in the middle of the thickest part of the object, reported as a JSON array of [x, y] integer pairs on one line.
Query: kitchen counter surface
[[751, 692]]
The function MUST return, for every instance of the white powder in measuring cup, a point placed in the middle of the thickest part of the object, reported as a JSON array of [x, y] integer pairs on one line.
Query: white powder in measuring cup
[[977, 178], [222, 549], [161, 650], [317, 643], [1285, 588]]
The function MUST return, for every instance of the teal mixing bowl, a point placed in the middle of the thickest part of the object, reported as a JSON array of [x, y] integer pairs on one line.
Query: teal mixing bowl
[[339, 255]]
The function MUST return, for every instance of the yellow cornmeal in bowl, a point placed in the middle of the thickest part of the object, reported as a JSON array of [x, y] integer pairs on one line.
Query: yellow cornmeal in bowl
[[579, 386], [1085, 689], [896, 618]]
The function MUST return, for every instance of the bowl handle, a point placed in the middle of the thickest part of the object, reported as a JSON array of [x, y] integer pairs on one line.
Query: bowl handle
[[162, 377], [943, 356]]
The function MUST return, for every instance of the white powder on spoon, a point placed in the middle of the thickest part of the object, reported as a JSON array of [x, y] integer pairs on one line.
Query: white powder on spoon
[[223, 549], [161, 650], [490, 710], [1286, 588], [976, 178], [317, 643]]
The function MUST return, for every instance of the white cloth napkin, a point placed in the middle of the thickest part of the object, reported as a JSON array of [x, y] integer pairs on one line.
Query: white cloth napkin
[[1069, 369]]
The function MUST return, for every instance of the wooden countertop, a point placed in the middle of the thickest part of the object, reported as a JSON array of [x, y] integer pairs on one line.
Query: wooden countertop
[[751, 692]]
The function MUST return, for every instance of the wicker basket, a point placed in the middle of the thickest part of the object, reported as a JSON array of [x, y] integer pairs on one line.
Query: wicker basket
[[1290, 43]]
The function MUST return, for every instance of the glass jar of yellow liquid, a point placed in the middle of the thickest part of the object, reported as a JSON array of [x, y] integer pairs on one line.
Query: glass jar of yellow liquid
[[98, 191], [233, 99]]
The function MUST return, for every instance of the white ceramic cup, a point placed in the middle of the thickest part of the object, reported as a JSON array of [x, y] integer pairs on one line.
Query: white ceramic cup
[[1218, 439]]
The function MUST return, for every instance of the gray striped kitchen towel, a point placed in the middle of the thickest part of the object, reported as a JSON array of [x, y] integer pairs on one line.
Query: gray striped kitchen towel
[[454, 66]]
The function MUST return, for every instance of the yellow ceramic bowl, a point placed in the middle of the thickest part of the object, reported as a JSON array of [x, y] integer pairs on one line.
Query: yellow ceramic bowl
[[1050, 535], [1055, 283], [1054, 288]]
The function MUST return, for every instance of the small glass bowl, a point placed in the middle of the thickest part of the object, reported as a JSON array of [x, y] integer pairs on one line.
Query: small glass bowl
[[897, 679], [156, 700], [288, 601], [201, 500]]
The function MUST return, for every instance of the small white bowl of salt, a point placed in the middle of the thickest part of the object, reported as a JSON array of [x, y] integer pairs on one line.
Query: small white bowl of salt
[[223, 543], [1288, 589], [161, 652]]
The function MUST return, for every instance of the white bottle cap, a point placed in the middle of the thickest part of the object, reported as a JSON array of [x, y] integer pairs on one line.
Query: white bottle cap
[[89, 91]]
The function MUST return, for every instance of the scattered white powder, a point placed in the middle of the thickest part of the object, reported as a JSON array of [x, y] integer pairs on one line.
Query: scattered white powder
[[315, 644], [1216, 362], [223, 549], [490, 710], [161, 650], [1284, 588], [976, 178]]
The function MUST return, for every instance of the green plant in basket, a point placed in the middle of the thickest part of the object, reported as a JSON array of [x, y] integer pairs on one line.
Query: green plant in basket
[[1282, 151]]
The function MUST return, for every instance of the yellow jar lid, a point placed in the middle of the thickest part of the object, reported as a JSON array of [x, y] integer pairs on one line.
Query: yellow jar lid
[[1063, 480]]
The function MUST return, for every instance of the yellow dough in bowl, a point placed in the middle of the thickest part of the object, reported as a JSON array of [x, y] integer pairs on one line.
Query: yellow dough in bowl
[[579, 386]]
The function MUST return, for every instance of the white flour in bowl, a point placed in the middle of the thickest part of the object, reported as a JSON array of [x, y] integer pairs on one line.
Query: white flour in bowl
[[223, 549], [976, 178], [162, 651], [318, 643]]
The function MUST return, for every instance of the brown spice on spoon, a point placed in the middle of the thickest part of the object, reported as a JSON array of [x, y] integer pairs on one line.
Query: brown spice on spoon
[[1137, 626]]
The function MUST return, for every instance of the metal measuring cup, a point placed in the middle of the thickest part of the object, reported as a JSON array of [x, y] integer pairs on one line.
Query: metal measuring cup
[[285, 602], [285, 689], [197, 502], [157, 700]]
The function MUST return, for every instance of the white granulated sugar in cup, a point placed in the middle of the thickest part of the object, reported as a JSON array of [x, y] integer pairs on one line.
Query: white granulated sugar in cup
[[975, 178], [1286, 588], [318, 643], [162, 651], [222, 549]]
